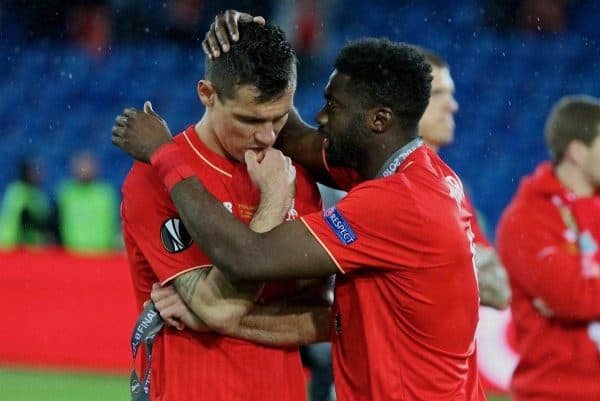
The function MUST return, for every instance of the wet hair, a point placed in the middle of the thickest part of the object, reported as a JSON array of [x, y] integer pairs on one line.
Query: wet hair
[[389, 74], [572, 118], [433, 58], [261, 58]]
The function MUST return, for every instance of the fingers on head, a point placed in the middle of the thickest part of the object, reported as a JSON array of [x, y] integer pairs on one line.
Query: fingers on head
[[211, 40], [230, 20], [222, 25]]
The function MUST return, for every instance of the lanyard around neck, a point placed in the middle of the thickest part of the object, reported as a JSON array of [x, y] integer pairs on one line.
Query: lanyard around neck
[[395, 160]]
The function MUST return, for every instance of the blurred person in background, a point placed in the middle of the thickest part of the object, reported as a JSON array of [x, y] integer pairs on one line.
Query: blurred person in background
[[532, 16], [26, 211], [548, 240], [87, 208], [437, 129]]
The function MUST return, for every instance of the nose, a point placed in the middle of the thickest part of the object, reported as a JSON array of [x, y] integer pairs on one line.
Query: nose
[[321, 117], [266, 136], [453, 104]]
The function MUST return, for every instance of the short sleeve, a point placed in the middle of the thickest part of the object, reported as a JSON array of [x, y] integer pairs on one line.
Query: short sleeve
[[372, 226], [152, 222]]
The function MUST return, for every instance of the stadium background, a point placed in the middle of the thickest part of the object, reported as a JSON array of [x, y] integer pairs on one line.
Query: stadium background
[[64, 80]]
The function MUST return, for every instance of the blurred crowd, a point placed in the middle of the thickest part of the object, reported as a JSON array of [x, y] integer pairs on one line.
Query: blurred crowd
[[82, 216], [96, 24]]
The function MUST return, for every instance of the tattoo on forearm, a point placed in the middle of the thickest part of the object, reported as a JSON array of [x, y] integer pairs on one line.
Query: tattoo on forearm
[[186, 283]]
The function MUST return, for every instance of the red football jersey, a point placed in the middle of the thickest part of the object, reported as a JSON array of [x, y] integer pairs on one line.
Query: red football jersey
[[346, 178], [406, 307], [187, 365], [548, 239]]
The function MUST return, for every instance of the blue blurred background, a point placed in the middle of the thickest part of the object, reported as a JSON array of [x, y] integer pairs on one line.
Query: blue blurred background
[[68, 68]]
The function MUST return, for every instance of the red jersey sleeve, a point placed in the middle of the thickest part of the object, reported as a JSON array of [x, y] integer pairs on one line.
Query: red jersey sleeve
[[152, 223], [368, 226], [540, 258]]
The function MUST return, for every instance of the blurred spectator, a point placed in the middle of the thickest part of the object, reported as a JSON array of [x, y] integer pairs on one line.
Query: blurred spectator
[[25, 213], [87, 208], [89, 26], [437, 129], [304, 22], [548, 240], [538, 16], [177, 20]]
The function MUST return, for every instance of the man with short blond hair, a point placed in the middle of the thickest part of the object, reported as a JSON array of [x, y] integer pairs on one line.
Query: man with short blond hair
[[548, 239]]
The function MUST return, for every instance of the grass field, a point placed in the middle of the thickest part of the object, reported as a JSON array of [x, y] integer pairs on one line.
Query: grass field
[[22, 385], [26, 385]]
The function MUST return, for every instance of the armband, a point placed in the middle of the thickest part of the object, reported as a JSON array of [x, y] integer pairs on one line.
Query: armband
[[170, 165]]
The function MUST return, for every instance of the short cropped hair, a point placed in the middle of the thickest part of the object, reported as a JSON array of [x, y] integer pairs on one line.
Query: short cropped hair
[[262, 58], [572, 118], [433, 58], [390, 74]]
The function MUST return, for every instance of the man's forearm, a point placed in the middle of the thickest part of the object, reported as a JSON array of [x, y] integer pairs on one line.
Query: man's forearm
[[494, 290], [211, 297], [279, 325]]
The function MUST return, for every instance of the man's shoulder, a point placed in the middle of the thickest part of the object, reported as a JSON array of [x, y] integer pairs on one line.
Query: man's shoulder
[[142, 184], [142, 173]]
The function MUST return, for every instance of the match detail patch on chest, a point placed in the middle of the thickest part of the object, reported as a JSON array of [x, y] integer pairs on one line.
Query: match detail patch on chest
[[174, 236], [339, 225]]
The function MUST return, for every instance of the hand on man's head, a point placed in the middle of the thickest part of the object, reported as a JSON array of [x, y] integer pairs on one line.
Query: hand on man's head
[[140, 133], [224, 31]]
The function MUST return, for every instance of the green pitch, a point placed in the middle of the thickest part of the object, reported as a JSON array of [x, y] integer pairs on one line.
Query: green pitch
[[28, 385]]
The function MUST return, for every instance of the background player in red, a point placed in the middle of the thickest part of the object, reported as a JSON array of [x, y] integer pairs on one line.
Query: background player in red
[[548, 240], [406, 305], [247, 96], [437, 129]]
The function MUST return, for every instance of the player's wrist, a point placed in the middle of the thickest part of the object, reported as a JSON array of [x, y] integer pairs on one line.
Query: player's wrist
[[170, 165]]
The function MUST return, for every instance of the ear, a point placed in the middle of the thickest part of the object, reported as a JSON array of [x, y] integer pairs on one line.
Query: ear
[[379, 119], [206, 93], [576, 152]]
